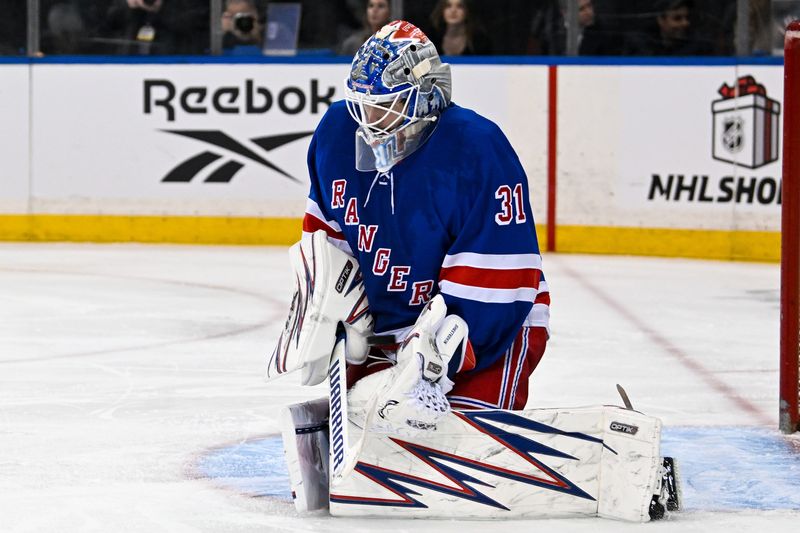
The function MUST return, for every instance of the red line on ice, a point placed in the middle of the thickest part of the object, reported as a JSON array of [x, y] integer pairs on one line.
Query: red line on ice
[[682, 357]]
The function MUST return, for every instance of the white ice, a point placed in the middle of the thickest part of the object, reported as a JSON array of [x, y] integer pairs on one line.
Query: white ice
[[121, 365]]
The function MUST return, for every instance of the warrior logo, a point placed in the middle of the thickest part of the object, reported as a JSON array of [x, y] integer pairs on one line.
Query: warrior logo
[[732, 134], [337, 417]]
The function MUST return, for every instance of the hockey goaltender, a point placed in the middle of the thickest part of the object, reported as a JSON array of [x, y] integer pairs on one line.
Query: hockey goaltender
[[420, 298]]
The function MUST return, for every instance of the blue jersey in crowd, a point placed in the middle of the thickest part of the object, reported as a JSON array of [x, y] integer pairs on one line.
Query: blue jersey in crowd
[[451, 218]]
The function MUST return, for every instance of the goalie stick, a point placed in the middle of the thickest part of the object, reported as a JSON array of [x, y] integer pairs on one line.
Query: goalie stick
[[343, 455], [624, 396]]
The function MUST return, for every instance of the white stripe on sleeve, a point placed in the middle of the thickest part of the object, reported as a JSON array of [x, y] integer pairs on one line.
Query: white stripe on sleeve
[[480, 294], [494, 261]]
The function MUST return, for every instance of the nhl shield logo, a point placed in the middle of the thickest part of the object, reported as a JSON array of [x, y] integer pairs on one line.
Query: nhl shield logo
[[732, 134]]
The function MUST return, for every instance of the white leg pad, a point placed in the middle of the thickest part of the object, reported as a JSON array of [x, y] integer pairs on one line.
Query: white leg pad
[[591, 461], [305, 443], [628, 478]]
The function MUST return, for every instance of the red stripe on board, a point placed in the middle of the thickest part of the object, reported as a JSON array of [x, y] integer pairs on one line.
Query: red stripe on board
[[552, 154], [312, 224], [492, 278]]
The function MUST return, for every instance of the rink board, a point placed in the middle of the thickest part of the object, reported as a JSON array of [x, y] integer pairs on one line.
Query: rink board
[[215, 152]]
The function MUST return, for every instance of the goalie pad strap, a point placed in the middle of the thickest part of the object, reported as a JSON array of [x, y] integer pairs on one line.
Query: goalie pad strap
[[311, 429]]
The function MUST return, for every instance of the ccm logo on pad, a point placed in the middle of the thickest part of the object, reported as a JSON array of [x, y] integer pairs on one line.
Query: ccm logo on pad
[[623, 428]]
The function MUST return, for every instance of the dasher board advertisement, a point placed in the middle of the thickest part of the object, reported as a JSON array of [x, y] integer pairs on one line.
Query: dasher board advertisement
[[691, 147], [220, 140]]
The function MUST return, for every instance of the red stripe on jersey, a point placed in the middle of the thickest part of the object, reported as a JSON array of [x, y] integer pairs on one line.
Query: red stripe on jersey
[[312, 224], [486, 385], [491, 278], [542, 298]]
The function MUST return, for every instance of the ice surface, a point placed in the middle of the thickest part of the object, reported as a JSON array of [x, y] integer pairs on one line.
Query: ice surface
[[131, 373]]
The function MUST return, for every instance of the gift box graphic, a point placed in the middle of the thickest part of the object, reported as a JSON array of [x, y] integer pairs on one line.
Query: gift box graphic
[[745, 124]]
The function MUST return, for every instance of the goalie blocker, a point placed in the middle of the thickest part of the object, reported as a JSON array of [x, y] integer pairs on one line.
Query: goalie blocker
[[344, 452]]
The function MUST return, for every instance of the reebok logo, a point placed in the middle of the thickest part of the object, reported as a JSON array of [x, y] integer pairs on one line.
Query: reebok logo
[[232, 100], [224, 143]]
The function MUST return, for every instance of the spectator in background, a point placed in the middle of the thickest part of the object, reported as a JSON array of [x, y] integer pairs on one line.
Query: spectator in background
[[65, 32], [585, 14], [144, 27], [12, 27], [594, 37], [767, 22], [456, 30], [585, 21], [670, 35], [783, 12], [547, 29], [243, 28], [71, 26], [377, 15], [324, 25]]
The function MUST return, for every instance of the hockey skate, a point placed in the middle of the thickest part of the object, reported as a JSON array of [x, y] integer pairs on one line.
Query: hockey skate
[[668, 498]]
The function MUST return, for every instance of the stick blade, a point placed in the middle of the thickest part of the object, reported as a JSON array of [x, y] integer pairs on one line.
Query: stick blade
[[624, 396]]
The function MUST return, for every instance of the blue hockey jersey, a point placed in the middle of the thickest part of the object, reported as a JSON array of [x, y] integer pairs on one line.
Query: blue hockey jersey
[[451, 218]]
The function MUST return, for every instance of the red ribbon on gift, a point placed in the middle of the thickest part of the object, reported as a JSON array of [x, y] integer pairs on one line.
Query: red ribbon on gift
[[744, 85]]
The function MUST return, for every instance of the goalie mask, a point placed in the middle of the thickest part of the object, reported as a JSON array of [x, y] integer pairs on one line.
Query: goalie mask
[[396, 91]]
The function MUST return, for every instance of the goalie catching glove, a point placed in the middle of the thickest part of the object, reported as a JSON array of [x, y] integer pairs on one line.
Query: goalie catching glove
[[329, 300], [411, 395]]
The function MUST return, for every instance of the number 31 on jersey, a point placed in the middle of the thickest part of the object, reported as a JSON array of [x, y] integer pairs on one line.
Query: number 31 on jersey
[[511, 206]]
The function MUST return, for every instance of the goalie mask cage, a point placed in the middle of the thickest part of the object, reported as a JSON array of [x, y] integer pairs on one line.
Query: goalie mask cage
[[789, 410]]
